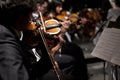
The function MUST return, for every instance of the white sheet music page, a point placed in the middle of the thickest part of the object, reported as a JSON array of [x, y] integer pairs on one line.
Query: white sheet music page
[[108, 46]]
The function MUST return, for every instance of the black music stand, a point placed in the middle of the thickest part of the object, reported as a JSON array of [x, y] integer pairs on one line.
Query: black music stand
[[114, 24]]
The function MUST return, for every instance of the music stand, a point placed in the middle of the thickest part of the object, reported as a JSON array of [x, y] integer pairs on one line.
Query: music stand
[[115, 24]]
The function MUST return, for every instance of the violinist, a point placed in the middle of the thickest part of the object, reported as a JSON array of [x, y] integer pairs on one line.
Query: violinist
[[55, 8], [38, 63], [56, 12], [15, 15], [33, 46], [68, 63], [89, 19], [41, 6], [79, 71]]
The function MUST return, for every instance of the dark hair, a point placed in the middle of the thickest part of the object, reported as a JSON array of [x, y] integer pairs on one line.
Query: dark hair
[[41, 1], [54, 4], [12, 8]]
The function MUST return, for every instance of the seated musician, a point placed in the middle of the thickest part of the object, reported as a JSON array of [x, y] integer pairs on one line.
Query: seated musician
[[80, 68], [15, 16], [89, 19], [72, 67]]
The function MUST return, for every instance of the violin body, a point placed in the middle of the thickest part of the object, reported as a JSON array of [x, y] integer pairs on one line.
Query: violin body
[[52, 26], [65, 15]]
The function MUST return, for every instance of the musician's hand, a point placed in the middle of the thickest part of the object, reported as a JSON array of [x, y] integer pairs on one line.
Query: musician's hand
[[58, 46], [55, 49]]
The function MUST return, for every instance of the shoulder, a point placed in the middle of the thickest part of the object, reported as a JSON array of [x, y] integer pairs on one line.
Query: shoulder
[[6, 34], [4, 29]]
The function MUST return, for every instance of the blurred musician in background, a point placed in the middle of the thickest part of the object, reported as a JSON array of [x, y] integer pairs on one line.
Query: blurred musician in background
[[58, 12], [69, 48], [88, 22], [41, 6], [55, 8]]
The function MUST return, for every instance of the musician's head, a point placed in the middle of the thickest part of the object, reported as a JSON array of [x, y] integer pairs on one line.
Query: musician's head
[[31, 38], [16, 13], [56, 6], [91, 16], [41, 5]]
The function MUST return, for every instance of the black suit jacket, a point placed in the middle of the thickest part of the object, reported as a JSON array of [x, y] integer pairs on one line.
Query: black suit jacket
[[11, 60]]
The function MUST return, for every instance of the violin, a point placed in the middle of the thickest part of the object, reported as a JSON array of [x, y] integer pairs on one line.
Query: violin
[[64, 15], [74, 17], [52, 26]]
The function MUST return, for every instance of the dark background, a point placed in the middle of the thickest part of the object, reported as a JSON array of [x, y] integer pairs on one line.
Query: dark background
[[77, 5]]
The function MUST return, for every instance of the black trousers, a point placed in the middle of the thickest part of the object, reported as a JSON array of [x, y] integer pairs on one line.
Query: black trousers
[[71, 63], [79, 66]]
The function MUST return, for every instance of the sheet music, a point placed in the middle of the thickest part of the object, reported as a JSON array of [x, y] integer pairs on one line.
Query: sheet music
[[108, 46]]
